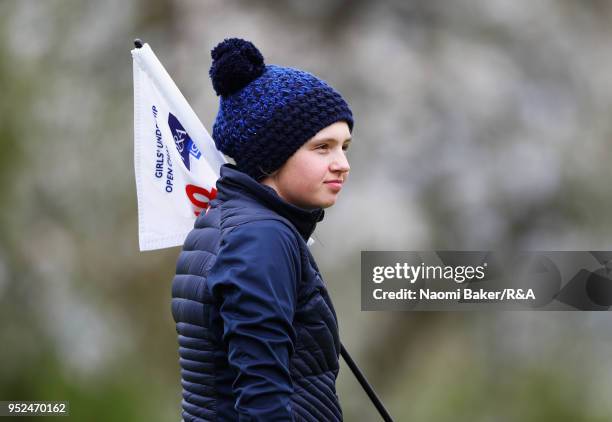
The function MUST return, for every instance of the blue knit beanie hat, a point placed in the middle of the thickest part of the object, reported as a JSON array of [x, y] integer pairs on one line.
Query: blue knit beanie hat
[[267, 112]]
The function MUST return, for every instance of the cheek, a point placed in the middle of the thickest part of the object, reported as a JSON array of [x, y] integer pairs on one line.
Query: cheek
[[308, 170], [303, 175], [312, 176], [299, 180]]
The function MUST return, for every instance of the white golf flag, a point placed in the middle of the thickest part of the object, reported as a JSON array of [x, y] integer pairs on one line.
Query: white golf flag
[[175, 159]]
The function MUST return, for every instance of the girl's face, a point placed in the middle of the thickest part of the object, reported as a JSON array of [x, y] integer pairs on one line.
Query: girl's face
[[315, 174]]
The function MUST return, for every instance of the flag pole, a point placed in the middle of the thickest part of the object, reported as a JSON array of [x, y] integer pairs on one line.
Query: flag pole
[[365, 385]]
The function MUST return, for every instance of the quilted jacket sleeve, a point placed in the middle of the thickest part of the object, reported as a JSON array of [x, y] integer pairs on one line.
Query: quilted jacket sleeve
[[255, 277]]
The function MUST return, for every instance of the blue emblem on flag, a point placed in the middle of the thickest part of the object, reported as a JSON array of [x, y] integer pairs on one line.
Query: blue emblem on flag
[[182, 140]]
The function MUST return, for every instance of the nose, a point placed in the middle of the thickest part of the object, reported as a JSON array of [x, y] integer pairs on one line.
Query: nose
[[340, 163]]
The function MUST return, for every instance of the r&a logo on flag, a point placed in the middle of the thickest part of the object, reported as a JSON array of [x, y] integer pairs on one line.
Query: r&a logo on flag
[[182, 140]]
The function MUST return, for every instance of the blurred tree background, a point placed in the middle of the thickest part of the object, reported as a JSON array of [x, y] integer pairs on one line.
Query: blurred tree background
[[480, 124]]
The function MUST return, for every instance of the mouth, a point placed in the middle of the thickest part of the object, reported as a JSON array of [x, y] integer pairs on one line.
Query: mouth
[[335, 184]]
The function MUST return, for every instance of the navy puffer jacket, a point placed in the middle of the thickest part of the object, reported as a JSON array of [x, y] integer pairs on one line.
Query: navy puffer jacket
[[258, 334]]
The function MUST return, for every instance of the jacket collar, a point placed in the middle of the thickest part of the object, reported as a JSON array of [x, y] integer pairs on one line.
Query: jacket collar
[[236, 185]]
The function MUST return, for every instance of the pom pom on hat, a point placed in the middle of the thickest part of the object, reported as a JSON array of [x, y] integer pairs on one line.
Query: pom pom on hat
[[236, 62]]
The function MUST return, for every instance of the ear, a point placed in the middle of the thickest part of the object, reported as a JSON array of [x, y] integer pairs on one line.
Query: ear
[[269, 178]]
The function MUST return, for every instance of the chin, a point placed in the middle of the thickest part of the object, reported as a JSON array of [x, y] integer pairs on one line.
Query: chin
[[318, 203], [327, 204]]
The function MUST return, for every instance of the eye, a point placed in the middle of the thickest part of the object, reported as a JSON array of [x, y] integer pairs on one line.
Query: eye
[[322, 146], [345, 147]]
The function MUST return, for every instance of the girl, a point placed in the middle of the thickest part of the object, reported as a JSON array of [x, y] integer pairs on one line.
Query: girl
[[258, 335]]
